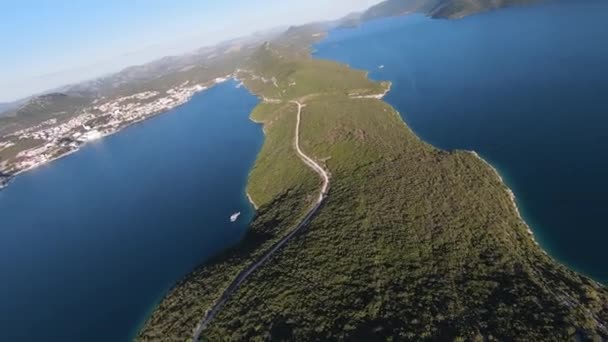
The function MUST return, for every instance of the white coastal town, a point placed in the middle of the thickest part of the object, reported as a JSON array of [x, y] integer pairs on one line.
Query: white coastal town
[[54, 138]]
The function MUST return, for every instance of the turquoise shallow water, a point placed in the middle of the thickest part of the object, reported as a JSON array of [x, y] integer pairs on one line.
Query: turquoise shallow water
[[89, 243], [526, 88]]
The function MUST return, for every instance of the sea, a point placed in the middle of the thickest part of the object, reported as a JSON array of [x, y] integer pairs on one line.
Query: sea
[[90, 243], [526, 88]]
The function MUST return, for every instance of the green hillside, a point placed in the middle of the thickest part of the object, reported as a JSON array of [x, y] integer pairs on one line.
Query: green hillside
[[41, 108], [413, 243]]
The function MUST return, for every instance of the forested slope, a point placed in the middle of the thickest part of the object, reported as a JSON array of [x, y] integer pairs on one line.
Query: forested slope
[[413, 243]]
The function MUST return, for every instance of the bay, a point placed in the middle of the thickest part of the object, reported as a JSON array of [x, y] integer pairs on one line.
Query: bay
[[91, 242]]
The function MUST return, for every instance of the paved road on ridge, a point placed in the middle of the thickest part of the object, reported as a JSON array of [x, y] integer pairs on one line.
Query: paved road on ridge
[[244, 274]]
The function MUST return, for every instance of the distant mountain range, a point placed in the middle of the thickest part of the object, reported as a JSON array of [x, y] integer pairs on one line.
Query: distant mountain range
[[40, 108]]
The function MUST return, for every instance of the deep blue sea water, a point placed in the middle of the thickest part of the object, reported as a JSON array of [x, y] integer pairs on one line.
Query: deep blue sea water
[[525, 87], [91, 242]]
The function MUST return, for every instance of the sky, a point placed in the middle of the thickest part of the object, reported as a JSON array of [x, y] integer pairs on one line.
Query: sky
[[49, 43]]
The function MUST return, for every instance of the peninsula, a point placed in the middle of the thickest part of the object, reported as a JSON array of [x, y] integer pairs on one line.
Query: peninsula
[[411, 242]]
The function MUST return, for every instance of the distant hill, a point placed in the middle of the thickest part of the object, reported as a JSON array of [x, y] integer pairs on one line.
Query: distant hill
[[298, 36], [41, 108], [437, 8], [462, 8], [398, 7], [5, 108]]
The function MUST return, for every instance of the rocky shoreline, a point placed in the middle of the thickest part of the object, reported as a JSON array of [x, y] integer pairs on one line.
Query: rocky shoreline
[[255, 206], [511, 195]]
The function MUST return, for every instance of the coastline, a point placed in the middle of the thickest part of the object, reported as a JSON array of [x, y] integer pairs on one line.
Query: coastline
[[258, 122], [511, 196], [376, 96], [528, 227], [251, 201], [8, 179]]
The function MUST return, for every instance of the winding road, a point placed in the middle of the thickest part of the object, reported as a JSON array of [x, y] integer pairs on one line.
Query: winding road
[[244, 274]]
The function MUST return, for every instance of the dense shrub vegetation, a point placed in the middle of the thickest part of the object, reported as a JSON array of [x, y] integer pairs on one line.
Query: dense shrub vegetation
[[413, 243]]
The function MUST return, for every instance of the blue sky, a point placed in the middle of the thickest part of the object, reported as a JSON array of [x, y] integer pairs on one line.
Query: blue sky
[[49, 43]]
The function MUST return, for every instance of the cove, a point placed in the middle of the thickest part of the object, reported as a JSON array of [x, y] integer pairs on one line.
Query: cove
[[525, 87], [91, 242]]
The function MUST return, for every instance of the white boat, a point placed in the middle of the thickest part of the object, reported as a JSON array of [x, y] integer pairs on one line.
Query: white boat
[[235, 217]]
